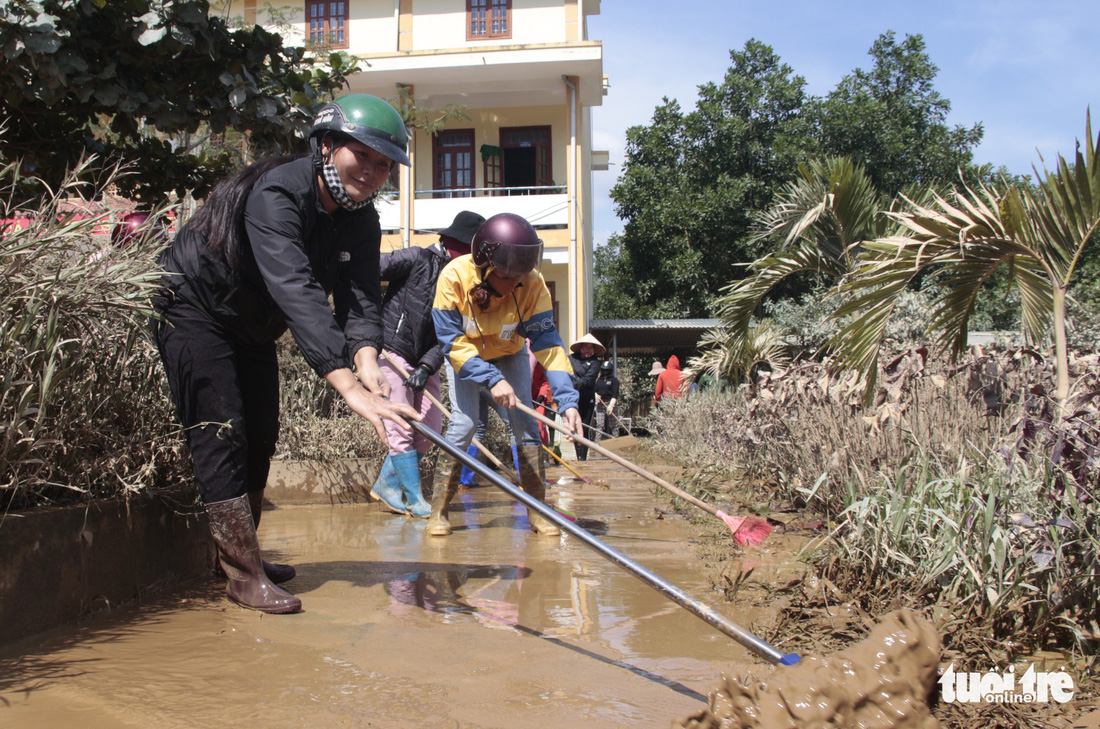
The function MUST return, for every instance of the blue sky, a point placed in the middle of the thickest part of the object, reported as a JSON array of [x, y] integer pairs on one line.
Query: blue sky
[[1026, 70]]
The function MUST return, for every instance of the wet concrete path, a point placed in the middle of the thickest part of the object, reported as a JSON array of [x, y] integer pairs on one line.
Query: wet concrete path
[[493, 626]]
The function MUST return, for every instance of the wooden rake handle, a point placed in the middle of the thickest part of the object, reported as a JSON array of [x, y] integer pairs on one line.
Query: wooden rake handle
[[443, 409], [622, 461]]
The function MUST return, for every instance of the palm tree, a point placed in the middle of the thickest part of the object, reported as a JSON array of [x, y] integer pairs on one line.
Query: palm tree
[[819, 220], [1039, 233], [729, 356]]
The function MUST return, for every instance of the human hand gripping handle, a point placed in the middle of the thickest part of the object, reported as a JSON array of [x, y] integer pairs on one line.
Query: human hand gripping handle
[[374, 407], [504, 395], [571, 419]]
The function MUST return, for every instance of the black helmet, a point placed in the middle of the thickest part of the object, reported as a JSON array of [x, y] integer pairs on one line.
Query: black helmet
[[606, 366], [367, 119], [509, 245]]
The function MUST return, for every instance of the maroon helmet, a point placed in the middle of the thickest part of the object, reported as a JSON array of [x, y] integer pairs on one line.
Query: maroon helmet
[[509, 245], [134, 227]]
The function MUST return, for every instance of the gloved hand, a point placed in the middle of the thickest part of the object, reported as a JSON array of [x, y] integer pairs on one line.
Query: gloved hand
[[418, 379], [540, 400], [611, 405]]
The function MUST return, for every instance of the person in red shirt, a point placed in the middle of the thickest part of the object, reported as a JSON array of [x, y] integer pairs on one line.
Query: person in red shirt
[[541, 394], [670, 383]]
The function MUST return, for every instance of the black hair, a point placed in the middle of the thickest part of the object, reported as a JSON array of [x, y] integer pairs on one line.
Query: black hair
[[220, 219]]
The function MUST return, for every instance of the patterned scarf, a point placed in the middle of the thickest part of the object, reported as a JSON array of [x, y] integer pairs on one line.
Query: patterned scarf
[[336, 190]]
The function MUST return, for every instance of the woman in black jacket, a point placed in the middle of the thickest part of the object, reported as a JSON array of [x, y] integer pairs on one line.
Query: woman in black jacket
[[409, 340], [260, 256], [607, 397], [586, 352]]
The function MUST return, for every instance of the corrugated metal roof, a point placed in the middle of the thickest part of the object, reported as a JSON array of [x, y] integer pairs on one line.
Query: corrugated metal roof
[[656, 337], [655, 323]]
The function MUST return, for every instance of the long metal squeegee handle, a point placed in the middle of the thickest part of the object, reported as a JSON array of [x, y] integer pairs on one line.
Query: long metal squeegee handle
[[681, 598]]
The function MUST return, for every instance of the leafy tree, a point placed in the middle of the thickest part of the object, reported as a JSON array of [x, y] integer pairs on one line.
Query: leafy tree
[[692, 182], [892, 120], [614, 290], [131, 80]]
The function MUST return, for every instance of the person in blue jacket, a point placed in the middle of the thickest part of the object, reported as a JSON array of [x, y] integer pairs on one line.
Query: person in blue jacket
[[262, 255], [488, 307]]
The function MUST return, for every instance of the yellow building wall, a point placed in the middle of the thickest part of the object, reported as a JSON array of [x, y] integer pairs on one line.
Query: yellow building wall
[[417, 25], [442, 24], [372, 27]]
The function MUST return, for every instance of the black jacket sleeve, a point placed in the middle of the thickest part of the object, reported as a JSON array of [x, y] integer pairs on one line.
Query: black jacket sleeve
[[397, 266], [276, 228], [585, 372]]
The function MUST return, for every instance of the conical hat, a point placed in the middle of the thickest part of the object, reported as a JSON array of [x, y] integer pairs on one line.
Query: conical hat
[[600, 349], [657, 368]]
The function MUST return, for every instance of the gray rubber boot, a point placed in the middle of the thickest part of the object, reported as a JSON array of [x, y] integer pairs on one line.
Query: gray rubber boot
[[446, 486], [532, 480], [234, 532], [277, 573]]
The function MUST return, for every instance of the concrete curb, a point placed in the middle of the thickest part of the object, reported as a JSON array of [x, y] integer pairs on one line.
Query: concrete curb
[[61, 564]]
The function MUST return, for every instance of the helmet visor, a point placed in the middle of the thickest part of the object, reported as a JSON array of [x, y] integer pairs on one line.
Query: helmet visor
[[517, 262]]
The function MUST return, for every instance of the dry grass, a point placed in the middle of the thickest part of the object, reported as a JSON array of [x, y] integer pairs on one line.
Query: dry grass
[[960, 491], [84, 410]]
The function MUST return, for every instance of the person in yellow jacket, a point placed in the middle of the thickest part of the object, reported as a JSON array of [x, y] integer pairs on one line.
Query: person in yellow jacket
[[487, 306]]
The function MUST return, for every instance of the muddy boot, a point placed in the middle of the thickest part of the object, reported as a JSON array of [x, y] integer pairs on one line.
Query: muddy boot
[[277, 573], [532, 480], [446, 485], [407, 466], [235, 534], [426, 478], [387, 489]]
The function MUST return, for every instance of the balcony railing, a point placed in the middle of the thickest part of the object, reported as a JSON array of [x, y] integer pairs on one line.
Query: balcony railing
[[546, 206], [490, 192]]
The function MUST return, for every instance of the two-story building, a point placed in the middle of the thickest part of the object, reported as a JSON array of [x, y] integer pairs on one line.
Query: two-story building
[[525, 74]]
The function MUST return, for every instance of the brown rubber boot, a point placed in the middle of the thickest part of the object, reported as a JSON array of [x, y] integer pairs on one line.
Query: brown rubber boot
[[533, 481], [446, 485], [277, 573], [234, 532]]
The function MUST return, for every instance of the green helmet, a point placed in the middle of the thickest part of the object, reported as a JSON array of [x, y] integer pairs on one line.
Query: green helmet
[[365, 119]]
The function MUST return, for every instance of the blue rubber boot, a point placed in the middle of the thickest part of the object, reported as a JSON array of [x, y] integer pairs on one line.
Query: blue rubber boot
[[386, 488], [467, 478], [407, 466]]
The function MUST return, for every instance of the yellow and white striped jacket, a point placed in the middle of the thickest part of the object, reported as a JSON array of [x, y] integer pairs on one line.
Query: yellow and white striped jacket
[[473, 338]]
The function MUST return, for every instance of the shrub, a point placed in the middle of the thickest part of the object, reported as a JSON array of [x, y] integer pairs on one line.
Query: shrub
[[84, 409], [966, 488]]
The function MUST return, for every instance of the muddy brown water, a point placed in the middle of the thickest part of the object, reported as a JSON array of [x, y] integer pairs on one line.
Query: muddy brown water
[[490, 627]]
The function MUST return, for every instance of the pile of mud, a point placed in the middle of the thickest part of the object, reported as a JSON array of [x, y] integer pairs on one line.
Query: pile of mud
[[881, 682]]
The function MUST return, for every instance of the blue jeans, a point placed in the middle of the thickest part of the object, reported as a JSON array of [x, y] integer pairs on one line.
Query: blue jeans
[[465, 409]]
